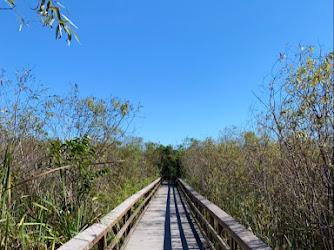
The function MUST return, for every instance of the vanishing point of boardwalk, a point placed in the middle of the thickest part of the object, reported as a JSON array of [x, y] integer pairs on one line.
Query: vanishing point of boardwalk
[[167, 224]]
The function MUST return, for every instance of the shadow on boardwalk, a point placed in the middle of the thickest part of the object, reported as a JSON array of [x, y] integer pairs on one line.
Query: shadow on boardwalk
[[167, 224], [168, 238]]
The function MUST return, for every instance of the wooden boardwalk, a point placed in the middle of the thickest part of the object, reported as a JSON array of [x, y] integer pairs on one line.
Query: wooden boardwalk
[[158, 217], [167, 224]]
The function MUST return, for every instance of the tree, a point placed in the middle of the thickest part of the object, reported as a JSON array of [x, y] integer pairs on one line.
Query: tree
[[300, 113], [280, 180], [50, 13], [169, 162]]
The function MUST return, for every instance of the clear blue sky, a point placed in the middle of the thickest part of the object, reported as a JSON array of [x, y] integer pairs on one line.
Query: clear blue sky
[[192, 64]]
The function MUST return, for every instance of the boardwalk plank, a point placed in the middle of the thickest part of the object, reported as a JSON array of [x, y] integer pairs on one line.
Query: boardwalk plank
[[150, 232]]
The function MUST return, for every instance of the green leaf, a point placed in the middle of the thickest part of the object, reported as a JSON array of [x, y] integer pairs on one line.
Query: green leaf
[[42, 6], [40, 206], [60, 4], [308, 60], [34, 224], [22, 220], [18, 18], [59, 35], [52, 21], [75, 35], [66, 18], [63, 22]]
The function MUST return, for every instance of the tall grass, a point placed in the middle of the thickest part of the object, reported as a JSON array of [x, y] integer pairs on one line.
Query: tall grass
[[5, 196], [46, 218]]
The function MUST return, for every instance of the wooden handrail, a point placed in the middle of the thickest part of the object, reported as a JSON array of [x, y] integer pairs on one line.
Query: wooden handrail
[[223, 231], [118, 222]]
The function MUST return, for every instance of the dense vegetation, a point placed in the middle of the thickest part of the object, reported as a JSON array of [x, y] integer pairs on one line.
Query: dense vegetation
[[279, 181], [66, 160]]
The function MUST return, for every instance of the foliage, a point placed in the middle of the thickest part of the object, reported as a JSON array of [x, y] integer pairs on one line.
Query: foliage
[[50, 13], [63, 163], [279, 181], [168, 164]]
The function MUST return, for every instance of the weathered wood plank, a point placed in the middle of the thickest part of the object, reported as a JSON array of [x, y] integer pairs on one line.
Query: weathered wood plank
[[238, 232], [131, 218], [149, 233]]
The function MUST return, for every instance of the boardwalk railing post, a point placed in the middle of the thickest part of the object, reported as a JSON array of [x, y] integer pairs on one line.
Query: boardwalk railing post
[[103, 243], [233, 244], [212, 221]]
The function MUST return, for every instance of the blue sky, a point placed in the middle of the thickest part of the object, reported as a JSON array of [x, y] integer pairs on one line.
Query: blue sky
[[192, 64]]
